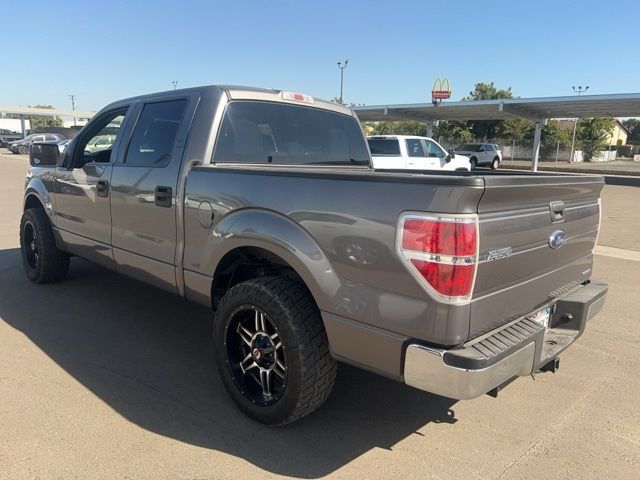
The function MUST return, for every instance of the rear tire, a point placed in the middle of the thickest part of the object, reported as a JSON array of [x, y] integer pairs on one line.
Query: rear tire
[[42, 260], [473, 163], [272, 350], [495, 163]]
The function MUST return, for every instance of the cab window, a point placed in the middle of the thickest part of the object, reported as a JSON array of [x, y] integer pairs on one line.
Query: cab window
[[415, 148], [155, 133], [91, 147], [433, 149]]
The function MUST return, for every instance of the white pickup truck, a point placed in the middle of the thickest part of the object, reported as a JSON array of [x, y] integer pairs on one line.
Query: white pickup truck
[[404, 152]]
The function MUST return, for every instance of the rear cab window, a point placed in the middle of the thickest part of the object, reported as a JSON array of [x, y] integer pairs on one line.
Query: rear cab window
[[384, 146], [261, 132]]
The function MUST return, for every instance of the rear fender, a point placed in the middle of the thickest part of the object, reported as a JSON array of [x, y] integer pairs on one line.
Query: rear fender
[[283, 237]]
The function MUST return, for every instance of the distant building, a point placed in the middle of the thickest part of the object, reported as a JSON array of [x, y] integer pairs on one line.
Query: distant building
[[617, 137], [13, 124], [619, 134], [68, 122]]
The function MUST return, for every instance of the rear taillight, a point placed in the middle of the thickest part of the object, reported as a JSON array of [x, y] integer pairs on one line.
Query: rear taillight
[[441, 252]]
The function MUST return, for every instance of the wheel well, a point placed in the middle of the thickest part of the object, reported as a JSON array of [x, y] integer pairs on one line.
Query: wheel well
[[246, 263], [32, 202], [496, 158], [473, 158]]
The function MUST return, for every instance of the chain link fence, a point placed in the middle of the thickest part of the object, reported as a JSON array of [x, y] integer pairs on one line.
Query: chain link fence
[[520, 150]]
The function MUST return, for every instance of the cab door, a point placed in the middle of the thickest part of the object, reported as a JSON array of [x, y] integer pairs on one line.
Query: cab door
[[144, 190], [416, 158], [82, 190], [435, 154]]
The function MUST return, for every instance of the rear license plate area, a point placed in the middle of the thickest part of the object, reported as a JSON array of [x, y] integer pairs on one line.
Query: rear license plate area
[[541, 317]]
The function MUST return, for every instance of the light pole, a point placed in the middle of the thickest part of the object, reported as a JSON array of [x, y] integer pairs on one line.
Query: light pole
[[73, 107], [579, 91], [342, 65], [175, 84]]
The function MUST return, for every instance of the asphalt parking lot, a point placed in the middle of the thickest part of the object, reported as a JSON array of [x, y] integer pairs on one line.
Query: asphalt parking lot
[[104, 377]]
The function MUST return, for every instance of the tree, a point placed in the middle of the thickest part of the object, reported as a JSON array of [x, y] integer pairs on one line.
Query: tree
[[487, 91], [453, 130], [592, 135], [516, 128], [395, 128], [633, 125], [40, 121]]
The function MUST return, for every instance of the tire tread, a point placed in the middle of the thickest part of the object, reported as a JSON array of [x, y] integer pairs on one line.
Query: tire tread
[[54, 262], [319, 367]]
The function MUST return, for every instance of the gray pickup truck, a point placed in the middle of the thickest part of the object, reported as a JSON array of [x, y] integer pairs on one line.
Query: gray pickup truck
[[263, 206]]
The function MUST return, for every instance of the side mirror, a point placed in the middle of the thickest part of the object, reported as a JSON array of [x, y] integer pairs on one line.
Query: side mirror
[[451, 155], [44, 154]]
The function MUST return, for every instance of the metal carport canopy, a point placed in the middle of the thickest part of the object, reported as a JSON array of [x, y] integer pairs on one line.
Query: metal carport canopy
[[534, 109], [612, 105]]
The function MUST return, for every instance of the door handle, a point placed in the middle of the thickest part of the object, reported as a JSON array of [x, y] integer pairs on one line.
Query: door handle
[[557, 211], [163, 196], [102, 188]]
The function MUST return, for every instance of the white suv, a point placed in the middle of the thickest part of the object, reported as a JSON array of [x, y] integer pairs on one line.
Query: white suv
[[403, 152], [488, 154]]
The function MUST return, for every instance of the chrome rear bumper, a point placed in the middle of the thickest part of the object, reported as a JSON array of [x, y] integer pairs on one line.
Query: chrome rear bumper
[[516, 349], [425, 369]]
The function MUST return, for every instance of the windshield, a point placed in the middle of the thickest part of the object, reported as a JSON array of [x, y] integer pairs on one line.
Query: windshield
[[384, 146], [468, 147], [285, 134]]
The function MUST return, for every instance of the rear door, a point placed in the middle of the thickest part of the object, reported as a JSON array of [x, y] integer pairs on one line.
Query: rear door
[[522, 264], [488, 152], [144, 185]]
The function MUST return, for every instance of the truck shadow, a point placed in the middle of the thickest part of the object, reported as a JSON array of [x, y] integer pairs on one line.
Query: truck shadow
[[148, 355]]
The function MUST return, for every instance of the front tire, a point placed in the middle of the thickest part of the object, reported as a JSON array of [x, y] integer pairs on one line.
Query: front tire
[[42, 260], [23, 150], [495, 163], [272, 350]]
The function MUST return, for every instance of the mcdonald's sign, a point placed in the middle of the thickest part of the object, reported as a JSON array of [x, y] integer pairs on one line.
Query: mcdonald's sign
[[441, 89]]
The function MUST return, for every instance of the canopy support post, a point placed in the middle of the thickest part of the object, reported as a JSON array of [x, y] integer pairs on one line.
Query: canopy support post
[[536, 143]]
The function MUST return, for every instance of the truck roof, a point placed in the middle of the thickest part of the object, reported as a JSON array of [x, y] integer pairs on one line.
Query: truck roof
[[238, 92], [399, 137]]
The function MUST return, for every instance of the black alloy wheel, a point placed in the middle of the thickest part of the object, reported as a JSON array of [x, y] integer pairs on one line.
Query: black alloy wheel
[[256, 356]]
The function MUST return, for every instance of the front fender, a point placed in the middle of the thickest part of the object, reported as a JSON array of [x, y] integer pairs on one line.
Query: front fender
[[35, 188], [281, 236]]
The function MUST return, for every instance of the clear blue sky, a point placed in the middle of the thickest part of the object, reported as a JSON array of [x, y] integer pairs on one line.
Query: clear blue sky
[[103, 51]]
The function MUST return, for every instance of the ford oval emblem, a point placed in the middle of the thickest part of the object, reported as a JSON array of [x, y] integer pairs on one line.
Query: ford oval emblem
[[557, 239]]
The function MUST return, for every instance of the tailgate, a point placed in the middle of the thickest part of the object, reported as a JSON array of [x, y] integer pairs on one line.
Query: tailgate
[[518, 268]]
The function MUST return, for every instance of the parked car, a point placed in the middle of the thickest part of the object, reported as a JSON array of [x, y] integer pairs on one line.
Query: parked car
[[7, 136], [101, 142], [262, 205], [485, 154], [404, 152], [62, 144], [22, 146]]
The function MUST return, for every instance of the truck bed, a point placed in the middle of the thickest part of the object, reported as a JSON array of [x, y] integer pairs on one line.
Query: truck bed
[[351, 214]]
